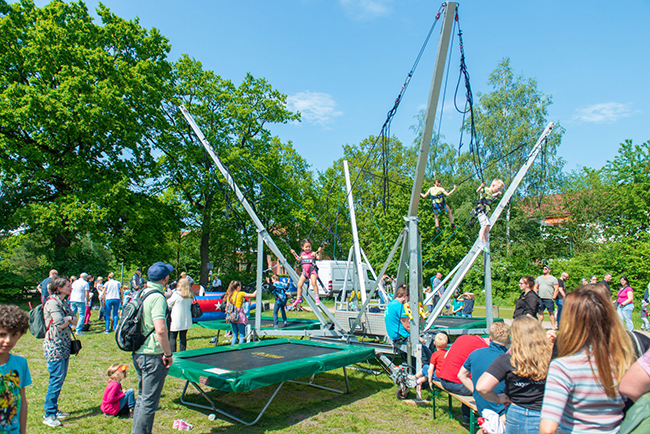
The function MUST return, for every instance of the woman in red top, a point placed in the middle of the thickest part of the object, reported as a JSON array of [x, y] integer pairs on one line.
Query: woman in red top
[[116, 401]]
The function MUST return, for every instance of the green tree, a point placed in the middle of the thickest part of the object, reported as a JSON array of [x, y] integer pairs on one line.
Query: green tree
[[79, 103], [508, 122], [235, 121]]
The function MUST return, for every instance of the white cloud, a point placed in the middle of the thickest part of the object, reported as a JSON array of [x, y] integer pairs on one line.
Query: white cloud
[[315, 107], [365, 10], [602, 113]]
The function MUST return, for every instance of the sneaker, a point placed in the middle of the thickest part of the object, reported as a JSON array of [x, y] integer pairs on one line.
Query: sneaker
[[437, 230], [213, 341], [106, 332], [317, 300], [284, 324], [453, 226], [62, 414], [52, 421], [176, 424], [81, 333]]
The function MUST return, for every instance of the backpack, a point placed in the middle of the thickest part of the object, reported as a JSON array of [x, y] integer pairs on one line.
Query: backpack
[[232, 314], [128, 333], [37, 322]]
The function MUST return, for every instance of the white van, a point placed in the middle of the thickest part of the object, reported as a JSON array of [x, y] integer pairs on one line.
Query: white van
[[332, 274]]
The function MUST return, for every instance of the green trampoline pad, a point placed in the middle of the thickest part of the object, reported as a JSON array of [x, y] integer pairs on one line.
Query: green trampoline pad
[[245, 367], [459, 322], [267, 324]]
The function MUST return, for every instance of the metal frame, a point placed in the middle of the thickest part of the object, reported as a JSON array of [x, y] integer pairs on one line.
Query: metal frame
[[263, 236]]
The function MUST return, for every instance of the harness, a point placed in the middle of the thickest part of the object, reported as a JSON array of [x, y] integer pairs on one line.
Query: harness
[[312, 269], [481, 207]]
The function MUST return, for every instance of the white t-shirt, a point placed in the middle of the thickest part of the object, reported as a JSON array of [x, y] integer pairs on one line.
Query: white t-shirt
[[79, 288], [112, 289]]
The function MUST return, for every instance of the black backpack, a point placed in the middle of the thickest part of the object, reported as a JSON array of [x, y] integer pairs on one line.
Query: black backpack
[[128, 333]]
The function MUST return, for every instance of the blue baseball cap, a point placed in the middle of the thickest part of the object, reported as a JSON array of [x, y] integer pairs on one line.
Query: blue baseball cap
[[159, 271]]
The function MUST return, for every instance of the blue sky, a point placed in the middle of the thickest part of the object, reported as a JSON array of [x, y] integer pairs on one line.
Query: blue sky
[[343, 62]]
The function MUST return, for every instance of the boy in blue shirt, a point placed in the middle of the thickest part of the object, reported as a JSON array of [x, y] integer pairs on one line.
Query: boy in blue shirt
[[14, 372], [279, 290]]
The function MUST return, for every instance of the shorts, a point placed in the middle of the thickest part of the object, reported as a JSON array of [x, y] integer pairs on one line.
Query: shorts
[[483, 219], [438, 207], [546, 303]]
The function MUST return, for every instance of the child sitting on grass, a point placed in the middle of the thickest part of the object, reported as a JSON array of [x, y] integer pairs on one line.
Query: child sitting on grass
[[117, 402], [14, 372]]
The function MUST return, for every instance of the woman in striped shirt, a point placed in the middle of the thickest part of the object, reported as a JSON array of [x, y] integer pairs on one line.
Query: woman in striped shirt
[[594, 352]]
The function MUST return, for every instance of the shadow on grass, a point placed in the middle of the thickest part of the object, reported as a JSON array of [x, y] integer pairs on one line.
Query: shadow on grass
[[293, 403]]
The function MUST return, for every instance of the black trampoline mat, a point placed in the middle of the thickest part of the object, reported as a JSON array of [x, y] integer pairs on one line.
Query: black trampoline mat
[[454, 321], [260, 356], [290, 323]]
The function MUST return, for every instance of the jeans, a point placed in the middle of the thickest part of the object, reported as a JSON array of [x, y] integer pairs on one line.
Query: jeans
[[458, 389], [625, 314], [520, 420], [58, 370], [277, 307], [102, 308], [183, 339], [127, 402], [111, 305], [560, 304], [238, 332], [151, 379], [78, 310]]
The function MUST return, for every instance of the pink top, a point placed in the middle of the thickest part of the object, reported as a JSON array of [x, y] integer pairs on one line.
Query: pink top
[[644, 362], [306, 259], [111, 400], [623, 294]]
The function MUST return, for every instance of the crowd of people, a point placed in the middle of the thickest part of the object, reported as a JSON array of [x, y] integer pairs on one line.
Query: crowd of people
[[67, 305], [581, 378]]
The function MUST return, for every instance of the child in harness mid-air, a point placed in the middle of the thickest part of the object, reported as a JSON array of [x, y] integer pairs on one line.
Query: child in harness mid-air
[[486, 195], [438, 194], [308, 260]]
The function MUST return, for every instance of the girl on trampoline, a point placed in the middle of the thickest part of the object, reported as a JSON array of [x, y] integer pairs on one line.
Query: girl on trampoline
[[308, 260], [438, 193]]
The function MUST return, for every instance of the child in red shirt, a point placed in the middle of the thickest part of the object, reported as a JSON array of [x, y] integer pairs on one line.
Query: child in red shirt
[[441, 340], [116, 401]]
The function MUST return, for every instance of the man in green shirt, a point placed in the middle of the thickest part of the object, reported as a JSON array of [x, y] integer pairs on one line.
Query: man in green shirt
[[546, 286], [153, 359]]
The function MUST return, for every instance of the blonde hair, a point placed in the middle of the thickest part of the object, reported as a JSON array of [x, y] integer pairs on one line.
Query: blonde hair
[[590, 323], [232, 288], [498, 183], [441, 340], [500, 333], [531, 349], [184, 288], [112, 371]]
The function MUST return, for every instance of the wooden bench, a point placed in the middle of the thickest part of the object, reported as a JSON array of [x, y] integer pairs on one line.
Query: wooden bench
[[467, 400]]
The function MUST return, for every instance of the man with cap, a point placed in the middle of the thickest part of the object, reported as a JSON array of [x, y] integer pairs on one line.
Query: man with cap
[[153, 359], [546, 286]]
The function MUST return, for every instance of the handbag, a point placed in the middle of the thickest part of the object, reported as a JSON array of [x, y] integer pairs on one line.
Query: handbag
[[75, 345], [196, 309], [232, 315]]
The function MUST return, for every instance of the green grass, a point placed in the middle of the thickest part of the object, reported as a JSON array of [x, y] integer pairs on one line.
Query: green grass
[[371, 407]]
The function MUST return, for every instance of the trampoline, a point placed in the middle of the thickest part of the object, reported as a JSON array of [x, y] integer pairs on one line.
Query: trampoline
[[267, 324], [246, 367], [459, 322]]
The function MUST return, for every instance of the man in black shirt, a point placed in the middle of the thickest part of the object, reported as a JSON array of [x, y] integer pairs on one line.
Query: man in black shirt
[[605, 281]]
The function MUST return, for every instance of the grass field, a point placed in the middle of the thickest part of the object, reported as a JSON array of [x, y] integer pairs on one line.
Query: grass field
[[371, 407]]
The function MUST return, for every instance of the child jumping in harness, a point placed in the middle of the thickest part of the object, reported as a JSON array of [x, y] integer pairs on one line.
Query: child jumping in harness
[[279, 290], [481, 210], [309, 273], [438, 193]]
